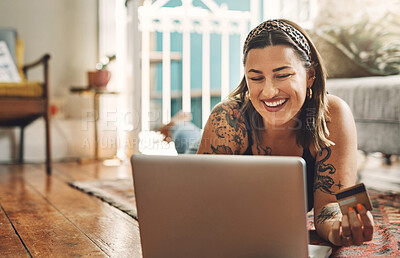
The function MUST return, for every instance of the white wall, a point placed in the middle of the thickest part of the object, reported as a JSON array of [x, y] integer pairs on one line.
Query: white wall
[[67, 30]]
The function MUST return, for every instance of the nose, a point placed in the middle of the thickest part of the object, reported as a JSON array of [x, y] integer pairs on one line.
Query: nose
[[269, 90]]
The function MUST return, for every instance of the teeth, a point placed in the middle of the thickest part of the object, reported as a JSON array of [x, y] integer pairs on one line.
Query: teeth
[[275, 103]]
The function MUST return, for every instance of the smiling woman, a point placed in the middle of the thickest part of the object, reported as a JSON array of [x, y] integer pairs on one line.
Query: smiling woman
[[279, 103], [281, 108]]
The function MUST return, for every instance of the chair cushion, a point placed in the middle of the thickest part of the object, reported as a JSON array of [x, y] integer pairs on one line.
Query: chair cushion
[[21, 89]]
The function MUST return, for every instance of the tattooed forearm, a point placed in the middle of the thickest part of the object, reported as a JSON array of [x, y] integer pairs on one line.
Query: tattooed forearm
[[328, 213], [323, 180]]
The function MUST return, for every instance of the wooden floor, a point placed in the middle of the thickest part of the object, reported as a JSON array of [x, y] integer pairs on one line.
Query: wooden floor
[[43, 216], [375, 173]]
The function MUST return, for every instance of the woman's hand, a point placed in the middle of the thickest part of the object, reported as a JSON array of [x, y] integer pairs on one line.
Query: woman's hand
[[354, 229]]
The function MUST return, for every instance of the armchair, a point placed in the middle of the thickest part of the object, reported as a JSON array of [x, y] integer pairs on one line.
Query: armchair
[[23, 102]]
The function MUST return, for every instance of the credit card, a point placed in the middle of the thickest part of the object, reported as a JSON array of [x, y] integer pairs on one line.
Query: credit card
[[349, 197]]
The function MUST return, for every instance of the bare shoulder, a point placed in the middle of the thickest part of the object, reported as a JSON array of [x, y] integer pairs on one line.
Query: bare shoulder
[[228, 112], [340, 115], [341, 125], [337, 107], [225, 131], [226, 107]]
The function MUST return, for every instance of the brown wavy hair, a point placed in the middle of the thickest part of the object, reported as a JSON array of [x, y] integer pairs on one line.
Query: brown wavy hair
[[314, 112]]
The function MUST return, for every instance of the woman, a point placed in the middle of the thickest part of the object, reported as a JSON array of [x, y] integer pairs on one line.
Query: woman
[[281, 108]]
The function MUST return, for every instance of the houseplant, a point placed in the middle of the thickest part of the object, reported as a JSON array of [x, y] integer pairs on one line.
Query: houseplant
[[100, 77]]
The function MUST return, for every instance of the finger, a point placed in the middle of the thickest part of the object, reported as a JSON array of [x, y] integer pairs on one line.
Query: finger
[[355, 226], [346, 232], [368, 222], [334, 236], [347, 241]]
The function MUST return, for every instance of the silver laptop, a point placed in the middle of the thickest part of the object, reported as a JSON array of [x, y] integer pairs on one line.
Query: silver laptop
[[221, 206]]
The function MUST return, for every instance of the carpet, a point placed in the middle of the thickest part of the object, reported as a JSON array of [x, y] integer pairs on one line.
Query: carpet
[[118, 193], [386, 241]]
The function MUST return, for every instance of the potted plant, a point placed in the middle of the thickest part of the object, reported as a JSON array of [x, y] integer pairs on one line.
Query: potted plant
[[100, 78]]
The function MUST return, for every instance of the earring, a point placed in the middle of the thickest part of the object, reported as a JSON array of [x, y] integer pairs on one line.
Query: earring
[[309, 93]]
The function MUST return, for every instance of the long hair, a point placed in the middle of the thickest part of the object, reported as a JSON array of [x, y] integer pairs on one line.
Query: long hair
[[314, 112]]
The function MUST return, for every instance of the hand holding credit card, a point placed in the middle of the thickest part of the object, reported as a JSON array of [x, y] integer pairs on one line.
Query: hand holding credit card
[[349, 197]]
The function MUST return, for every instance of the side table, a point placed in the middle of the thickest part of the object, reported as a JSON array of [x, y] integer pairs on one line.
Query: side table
[[96, 93]]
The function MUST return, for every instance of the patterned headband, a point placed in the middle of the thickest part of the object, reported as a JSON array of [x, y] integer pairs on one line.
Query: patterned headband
[[272, 25]]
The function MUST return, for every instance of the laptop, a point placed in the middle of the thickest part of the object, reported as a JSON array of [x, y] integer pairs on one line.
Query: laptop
[[221, 205]]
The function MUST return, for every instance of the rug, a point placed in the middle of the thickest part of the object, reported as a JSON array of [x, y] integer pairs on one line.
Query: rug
[[385, 243], [118, 193], [386, 240]]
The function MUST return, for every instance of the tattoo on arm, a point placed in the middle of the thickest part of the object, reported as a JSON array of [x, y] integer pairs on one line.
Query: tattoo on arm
[[263, 150], [328, 213], [222, 149], [339, 185], [229, 125], [233, 116], [323, 174], [219, 131]]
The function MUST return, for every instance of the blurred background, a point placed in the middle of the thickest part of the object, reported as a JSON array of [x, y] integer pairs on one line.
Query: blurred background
[[173, 55]]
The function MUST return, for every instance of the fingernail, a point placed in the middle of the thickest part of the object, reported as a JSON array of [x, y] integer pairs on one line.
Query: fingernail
[[359, 206], [351, 208]]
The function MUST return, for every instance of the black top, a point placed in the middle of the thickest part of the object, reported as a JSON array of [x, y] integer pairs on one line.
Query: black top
[[310, 167]]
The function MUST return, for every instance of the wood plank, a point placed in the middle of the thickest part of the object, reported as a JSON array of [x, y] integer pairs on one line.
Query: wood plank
[[21, 107], [10, 244], [43, 229], [115, 232], [73, 171]]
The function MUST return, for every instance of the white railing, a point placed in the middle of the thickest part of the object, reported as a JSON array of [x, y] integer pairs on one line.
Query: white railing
[[186, 19]]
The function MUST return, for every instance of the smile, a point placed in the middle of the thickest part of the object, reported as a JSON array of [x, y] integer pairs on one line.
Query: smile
[[274, 104]]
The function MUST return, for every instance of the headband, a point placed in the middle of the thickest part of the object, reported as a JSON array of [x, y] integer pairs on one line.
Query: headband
[[272, 25]]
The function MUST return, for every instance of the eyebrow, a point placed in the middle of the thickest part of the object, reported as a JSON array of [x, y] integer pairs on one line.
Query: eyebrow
[[273, 70], [281, 68], [254, 71]]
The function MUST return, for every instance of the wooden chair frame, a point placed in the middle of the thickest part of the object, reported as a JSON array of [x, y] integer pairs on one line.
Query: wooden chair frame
[[21, 111]]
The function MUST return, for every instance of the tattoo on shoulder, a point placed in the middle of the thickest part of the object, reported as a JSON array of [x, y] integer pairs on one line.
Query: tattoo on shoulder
[[220, 131], [234, 130], [261, 150], [328, 213], [222, 149], [233, 116], [323, 175]]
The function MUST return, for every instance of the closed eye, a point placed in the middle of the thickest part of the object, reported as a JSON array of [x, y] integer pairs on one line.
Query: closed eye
[[281, 76], [257, 79]]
